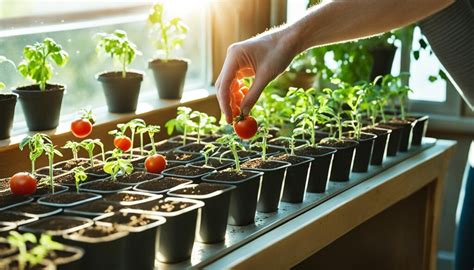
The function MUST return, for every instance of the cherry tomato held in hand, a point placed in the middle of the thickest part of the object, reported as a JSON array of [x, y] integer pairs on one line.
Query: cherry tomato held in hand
[[23, 184], [81, 128], [246, 127], [155, 163], [123, 143]]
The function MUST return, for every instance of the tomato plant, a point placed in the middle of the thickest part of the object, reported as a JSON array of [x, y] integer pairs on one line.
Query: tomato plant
[[89, 145], [74, 146], [246, 128], [118, 47], [182, 122], [208, 149], [155, 163], [23, 184], [79, 176], [117, 165], [36, 64], [152, 130], [134, 126], [232, 141], [82, 127], [397, 92], [50, 151], [36, 146], [205, 124]]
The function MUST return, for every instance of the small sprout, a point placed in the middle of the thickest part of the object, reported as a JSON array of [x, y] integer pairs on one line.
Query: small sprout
[[51, 151], [116, 166], [74, 146], [89, 145], [209, 148], [134, 126], [260, 140], [152, 130], [233, 142], [36, 145], [205, 124], [182, 122], [79, 176]]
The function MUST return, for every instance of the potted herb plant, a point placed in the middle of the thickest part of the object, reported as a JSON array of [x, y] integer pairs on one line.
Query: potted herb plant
[[121, 88], [167, 35], [7, 106], [41, 102]]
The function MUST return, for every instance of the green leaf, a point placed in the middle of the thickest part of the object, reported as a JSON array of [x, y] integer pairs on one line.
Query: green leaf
[[423, 43], [432, 78], [416, 55], [443, 75]]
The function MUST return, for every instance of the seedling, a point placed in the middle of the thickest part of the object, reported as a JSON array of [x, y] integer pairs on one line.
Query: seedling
[[36, 146], [3, 59], [89, 145], [118, 47], [352, 97], [292, 139], [38, 59], [134, 125], [261, 140], [205, 124], [33, 256], [233, 142], [373, 101], [397, 92], [152, 130], [116, 165], [79, 176], [74, 146], [207, 151], [51, 151], [182, 122], [166, 35]]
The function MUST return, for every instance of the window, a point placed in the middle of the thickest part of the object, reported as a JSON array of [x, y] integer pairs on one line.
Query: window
[[75, 33]]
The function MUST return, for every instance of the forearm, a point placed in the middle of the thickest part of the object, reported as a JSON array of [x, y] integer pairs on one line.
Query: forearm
[[342, 20]]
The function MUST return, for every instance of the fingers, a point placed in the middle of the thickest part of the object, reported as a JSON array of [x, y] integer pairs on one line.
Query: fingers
[[254, 93], [223, 86]]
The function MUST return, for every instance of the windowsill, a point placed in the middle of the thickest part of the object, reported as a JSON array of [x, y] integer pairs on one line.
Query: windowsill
[[145, 105], [451, 124]]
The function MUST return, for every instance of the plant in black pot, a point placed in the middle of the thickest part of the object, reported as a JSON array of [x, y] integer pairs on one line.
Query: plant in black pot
[[167, 35], [121, 88], [35, 145], [89, 145], [182, 123], [203, 124], [7, 106], [41, 102], [134, 126]]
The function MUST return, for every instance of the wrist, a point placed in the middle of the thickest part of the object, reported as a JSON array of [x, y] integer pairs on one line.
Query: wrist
[[289, 39]]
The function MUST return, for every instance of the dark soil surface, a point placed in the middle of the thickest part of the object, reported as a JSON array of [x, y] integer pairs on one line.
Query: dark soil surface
[[164, 206], [129, 219], [162, 184], [214, 163], [139, 162], [12, 217], [125, 197], [242, 154], [36, 87], [59, 254], [230, 175], [288, 158], [136, 177], [45, 190], [73, 163], [397, 121], [45, 171], [261, 164], [34, 208], [200, 189], [99, 170], [312, 151], [189, 171], [104, 185], [5, 248], [98, 206], [338, 144], [164, 146], [97, 231], [56, 223], [363, 136], [270, 150], [15, 266], [286, 144], [194, 147], [376, 131], [118, 75], [189, 138], [4, 183], [65, 179], [67, 197], [7, 198], [176, 156]]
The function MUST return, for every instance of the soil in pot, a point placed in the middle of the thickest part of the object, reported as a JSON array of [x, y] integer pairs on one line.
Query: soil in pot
[[137, 177], [169, 77], [7, 113], [66, 259], [243, 155], [41, 108], [406, 135], [187, 172], [45, 171], [68, 199], [35, 209], [4, 184], [94, 208], [380, 144], [130, 197], [285, 143], [11, 263], [161, 185], [419, 130], [57, 225], [17, 218], [192, 148], [394, 140], [66, 179], [9, 200], [296, 177], [243, 200], [214, 214], [189, 138], [46, 190], [270, 150], [364, 149], [121, 94], [184, 158], [103, 186], [215, 163], [320, 166], [96, 172], [164, 146], [343, 159], [73, 163]]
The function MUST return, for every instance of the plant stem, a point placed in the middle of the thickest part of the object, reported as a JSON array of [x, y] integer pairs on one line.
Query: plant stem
[[124, 66], [32, 166], [141, 143], [91, 157], [402, 108], [51, 181], [236, 157], [133, 141], [185, 131], [74, 154], [152, 140]]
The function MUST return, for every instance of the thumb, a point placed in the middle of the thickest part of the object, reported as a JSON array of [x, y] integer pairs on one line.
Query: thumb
[[254, 93]]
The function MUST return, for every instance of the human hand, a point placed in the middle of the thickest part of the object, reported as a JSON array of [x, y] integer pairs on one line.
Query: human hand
[[264, 56]]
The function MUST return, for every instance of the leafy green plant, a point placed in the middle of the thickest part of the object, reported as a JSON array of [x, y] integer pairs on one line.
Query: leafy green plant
[[116, 165], [51, 151], [3, 59], [182, 122], [79, 176], [397, 92], [134, 126], [205, 124], [166, 35], [74, 146], [33, 256], [118, 47], [152, 130], [36, 146], [261, 140], [234, 144], [209, 148], [89, 145], [38, 59]]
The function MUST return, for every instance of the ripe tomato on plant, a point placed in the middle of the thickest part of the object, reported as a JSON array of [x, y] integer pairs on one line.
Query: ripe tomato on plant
[[23, 184], [155, 163], [82, 127], [246, 127], [123, 143]]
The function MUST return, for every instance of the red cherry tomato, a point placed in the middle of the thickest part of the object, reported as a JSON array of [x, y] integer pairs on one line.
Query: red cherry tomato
[[23, 184], [155, 163], [246, 128], [81, 128], [123, 143]]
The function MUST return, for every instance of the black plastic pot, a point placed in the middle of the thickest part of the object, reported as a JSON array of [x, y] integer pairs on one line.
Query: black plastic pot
[[36, 210], [143, 236], [406, 134], [214, 214], [224, 163], [10, 200], [175, 238], [169, 77], [394, 139], [121, 93], [101, 252], [70, 262], [146, 197], [343, 159], [243, 199], [171, 172], [41, 108], [57, 225], [7, 113], [419, 130], [87, 197], [11, 262], [89, 187], [271, 189], [363, 153], [380, 144], [320, 167], [297, 176], [17, 218], [159, 187]]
